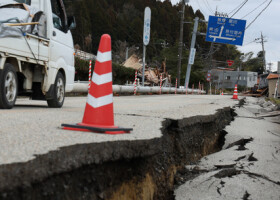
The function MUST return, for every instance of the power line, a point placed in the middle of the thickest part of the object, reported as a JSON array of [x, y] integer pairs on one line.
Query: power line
[[200, 7], [251, 42], [236, 8], [259, 15], [208, 6], [254, 9], [239, 8]]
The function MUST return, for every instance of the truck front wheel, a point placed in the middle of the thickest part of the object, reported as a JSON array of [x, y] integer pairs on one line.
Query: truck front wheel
[[8, 87], [58, 92]]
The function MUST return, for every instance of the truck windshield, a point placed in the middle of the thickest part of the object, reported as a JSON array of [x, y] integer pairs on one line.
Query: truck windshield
[[28, 2]]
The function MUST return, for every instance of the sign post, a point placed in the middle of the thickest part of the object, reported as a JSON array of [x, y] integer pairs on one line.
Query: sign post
[[192, 52], [146, 38], [225, 30], [192, 56]]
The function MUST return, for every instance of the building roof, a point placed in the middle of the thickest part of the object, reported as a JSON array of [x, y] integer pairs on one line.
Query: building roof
[[132, 62], [272, 76]]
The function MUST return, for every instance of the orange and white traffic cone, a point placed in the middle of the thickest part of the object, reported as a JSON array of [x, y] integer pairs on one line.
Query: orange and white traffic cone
[[99, 114], [235, 96]]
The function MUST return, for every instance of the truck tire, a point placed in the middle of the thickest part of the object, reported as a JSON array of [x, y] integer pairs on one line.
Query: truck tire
[[58, 92], [8, 87]]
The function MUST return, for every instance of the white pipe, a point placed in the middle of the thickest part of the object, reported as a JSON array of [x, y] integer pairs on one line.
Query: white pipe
[[82, 87]]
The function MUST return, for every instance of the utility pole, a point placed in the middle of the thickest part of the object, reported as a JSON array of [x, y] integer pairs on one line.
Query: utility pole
[[264, 64], [262, 42], [181, 41], [269, 66], [188, 73]]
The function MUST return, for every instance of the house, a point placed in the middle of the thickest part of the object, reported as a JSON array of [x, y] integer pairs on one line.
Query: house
[[223, 78], [272, 80], [262, 81]]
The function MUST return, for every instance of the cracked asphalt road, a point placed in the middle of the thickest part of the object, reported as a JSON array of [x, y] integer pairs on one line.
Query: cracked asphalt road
[[31, 128], [248, 167]]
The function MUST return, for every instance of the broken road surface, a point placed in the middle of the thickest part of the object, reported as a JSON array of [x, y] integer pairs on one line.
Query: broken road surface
[[248, 165]]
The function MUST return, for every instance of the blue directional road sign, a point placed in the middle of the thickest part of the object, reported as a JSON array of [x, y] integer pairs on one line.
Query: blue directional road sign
[[225, 30]]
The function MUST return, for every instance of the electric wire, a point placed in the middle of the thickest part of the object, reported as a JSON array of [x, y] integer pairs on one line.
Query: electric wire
[[251, 42], [254, 9], [239, 8], [207, 6], [236, 8], [210, 6], [199, 5], [258, 15]]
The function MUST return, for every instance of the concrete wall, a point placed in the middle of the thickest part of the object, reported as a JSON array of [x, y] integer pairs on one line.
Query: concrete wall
[[271, 87]]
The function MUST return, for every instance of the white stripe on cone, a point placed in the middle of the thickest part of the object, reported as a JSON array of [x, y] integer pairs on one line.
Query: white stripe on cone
[[104, 57], [101, 101], [101, 79]]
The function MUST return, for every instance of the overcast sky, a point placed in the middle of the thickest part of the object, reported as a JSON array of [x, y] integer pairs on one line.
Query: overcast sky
[[268, 23]]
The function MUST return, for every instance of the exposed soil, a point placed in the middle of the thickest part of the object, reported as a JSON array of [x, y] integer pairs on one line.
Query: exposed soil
[[123, 170]]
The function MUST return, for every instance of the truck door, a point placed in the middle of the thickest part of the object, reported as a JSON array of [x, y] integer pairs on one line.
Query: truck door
[[61, 49]]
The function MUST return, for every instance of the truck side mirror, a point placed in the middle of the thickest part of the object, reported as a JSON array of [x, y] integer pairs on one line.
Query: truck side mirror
[[71, 22]]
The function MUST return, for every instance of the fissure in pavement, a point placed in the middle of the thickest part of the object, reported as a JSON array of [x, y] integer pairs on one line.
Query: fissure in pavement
[[141, 170]]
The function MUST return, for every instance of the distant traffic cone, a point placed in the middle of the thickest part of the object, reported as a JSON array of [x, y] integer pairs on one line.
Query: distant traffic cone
[[99, 114], [235, 96]]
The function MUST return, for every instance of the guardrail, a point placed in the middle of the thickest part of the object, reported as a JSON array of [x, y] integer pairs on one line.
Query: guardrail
[[82, 87]]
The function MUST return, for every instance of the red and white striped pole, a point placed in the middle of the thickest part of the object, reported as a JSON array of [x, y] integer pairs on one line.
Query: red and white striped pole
[[176, 86], [135, 81], [89, 74], [160, 84]]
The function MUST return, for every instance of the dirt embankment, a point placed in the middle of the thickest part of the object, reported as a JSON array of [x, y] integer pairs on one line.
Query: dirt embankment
[[123, 170]]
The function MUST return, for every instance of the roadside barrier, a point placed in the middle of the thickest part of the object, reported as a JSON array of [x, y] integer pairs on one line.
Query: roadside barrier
[[235, 95], [99, 114], [82, 87]]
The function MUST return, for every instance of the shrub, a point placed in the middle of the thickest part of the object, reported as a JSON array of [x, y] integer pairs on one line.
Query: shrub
[[120, 74]]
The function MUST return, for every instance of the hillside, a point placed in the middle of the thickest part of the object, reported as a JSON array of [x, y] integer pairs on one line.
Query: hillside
[[123, 20]]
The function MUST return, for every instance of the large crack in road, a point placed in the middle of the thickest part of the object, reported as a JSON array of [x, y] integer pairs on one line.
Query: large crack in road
[[142, 169], [246, 168]]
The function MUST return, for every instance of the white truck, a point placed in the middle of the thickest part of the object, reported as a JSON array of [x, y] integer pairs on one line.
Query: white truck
[[36, 52]]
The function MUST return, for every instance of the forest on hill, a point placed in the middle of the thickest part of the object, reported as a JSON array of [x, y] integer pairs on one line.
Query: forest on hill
[[123, 20]]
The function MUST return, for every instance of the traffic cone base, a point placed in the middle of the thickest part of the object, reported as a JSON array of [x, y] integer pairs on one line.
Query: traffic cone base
[[99, 112]]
